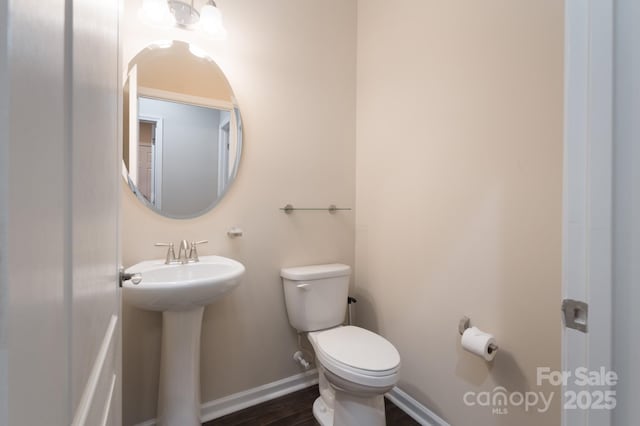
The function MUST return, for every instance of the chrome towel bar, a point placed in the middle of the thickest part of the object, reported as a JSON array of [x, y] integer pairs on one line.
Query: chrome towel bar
[[288, 209]]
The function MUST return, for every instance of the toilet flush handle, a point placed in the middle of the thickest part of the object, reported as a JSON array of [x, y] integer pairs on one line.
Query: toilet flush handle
[[303, 286]]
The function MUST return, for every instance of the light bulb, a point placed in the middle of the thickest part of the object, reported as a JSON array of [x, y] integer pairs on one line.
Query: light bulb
[[211, 22], [156, 12]]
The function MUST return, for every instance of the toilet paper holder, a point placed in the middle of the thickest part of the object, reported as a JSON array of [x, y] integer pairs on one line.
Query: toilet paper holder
[[465, 322]]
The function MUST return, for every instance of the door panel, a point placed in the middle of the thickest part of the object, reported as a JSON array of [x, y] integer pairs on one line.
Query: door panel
[[33, 275], [94, 207], [626, 345], [587, 218], [96, 402]]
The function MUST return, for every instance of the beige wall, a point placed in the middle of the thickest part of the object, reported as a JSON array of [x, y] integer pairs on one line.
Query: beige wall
[[459, 154], [292, 67]]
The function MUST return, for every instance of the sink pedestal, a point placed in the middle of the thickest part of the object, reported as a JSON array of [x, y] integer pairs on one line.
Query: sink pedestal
[[180, 292], [179, 392]]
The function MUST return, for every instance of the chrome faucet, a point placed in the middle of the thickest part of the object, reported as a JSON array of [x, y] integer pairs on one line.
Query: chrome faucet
[[183, 257], [182, 252]]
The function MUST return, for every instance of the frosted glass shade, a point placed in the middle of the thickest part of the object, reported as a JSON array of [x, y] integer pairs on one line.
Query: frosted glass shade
[[156, 12], [211, 22]]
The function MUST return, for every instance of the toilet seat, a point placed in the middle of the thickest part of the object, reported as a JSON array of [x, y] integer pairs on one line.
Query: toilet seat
[[357, 355]]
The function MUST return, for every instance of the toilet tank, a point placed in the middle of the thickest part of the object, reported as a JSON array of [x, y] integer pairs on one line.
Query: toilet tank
[[316, 295]]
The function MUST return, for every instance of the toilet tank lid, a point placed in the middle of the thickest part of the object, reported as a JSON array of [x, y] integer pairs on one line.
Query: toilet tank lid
[[315, 272]]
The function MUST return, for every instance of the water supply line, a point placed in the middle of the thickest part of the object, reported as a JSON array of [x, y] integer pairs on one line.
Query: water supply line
[[351, 301], [299, 356]]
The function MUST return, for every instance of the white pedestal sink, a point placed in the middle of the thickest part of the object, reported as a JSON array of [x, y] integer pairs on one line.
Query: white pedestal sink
[[181, 292]]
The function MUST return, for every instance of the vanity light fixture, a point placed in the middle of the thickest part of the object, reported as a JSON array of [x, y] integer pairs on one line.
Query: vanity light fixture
[[185, 15], [211, 21], [157, 13]]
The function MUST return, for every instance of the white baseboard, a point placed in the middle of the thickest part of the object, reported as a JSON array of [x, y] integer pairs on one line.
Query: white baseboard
[[414, 409], [241, 400]]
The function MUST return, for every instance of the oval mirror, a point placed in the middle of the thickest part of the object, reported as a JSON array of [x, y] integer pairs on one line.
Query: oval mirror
[[182, 131]]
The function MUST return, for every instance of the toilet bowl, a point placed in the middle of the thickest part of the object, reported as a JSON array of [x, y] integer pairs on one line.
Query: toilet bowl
[[356, 367], [360, 367]]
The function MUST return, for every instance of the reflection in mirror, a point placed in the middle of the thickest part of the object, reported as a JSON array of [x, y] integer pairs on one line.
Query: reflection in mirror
[[182, 132]]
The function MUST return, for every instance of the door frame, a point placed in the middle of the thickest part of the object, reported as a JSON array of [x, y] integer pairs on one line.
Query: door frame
[[156, 180], [588, 193], [224, 136]]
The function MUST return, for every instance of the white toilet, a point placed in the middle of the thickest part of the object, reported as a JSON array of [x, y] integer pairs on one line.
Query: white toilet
[[356, 367]]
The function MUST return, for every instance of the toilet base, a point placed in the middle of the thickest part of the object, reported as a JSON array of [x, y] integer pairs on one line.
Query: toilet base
[[322, 413], [351, 411]]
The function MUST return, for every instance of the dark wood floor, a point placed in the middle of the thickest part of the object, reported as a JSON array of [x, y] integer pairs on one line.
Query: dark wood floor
[[295, 409]]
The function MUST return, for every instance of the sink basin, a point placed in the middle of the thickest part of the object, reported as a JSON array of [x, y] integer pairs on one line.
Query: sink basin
[[179, 287], [181, 292]]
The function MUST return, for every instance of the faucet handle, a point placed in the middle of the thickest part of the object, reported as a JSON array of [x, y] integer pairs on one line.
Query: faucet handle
[[193, 252], [171, 254]]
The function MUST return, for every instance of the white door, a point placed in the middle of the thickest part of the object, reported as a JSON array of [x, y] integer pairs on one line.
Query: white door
[[95, 297], [626, 212], [59, 301], [587, 223]]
